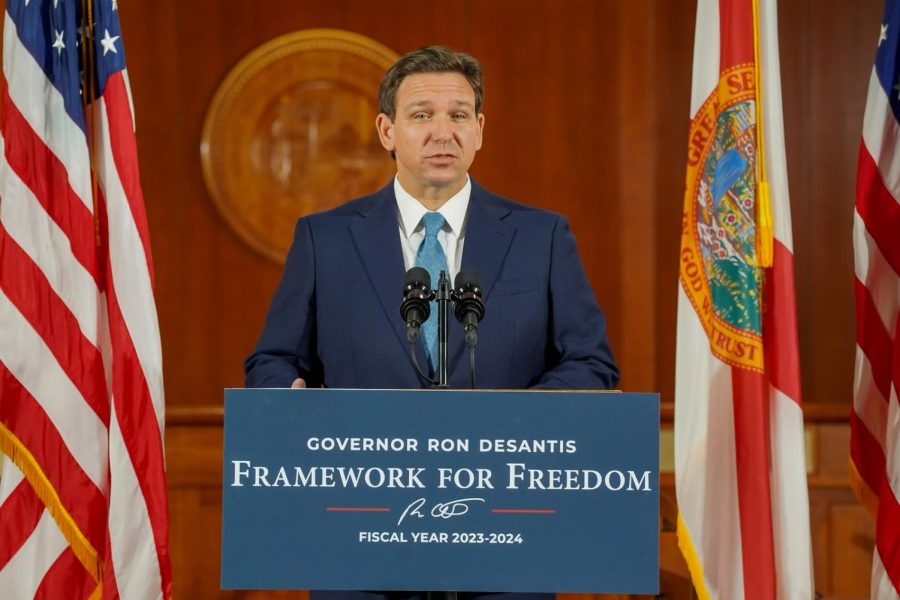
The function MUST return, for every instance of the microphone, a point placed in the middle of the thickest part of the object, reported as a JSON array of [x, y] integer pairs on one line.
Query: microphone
[[469, 304], [415, 307]]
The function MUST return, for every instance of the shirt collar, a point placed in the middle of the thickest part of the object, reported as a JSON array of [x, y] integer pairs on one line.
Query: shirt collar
[[411, 210]]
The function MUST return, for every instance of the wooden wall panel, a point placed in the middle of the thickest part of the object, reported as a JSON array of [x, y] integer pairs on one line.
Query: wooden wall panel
[[827, 50], [636, 166], [842, 530], [587, 113], [674, 33]]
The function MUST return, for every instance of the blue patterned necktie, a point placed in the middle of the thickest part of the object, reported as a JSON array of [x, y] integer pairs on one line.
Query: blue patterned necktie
[[431, 257]]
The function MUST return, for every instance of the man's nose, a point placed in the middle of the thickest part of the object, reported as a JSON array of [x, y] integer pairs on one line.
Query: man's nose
[[442, 132]]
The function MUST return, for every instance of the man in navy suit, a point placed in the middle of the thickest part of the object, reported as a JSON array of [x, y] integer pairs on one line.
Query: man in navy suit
[[335, 318]]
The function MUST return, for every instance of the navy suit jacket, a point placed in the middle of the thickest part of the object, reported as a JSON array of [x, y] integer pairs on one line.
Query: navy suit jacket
[[335, 317]]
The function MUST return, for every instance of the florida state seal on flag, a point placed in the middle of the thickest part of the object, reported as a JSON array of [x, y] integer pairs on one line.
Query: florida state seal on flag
[[739, 456]]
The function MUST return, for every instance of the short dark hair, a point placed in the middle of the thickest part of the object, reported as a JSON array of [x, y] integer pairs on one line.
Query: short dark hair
[[430, 59]]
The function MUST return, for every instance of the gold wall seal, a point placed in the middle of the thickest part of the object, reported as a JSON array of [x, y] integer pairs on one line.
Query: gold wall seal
[[291, 131]]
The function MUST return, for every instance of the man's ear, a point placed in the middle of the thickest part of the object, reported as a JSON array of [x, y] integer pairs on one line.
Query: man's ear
[[479, 138], [385, 128]]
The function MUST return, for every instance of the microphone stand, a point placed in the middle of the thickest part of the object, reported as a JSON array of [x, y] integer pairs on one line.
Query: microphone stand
[[442, 297]]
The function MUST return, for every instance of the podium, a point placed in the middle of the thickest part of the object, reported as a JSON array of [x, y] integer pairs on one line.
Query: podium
[[514, 491]]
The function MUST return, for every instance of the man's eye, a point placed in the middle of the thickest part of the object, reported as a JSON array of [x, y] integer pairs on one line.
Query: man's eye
[[460, 116], [420, 116]]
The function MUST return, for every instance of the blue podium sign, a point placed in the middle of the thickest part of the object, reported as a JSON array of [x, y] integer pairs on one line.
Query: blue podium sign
[[517, 491]]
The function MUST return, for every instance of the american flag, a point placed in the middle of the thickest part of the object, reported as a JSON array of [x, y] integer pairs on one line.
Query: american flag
[[82, 488], [875, 421]]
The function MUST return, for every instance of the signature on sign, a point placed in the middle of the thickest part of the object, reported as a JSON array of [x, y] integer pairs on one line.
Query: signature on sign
[[442, 510]]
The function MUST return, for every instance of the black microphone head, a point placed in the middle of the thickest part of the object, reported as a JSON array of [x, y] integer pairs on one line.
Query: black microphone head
[[415, 307], [467, 278], [467, 293], [418, 275]]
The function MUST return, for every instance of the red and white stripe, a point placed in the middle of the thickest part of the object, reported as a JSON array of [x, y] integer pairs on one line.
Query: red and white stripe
[[81, 393], [787, 451], [875, 421], [743, 503]]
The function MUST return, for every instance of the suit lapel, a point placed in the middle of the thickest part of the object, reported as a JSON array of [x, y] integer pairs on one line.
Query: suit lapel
[[487, 243], [377, 240]]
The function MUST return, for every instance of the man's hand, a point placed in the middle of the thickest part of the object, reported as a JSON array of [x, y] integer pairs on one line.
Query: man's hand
[[298, 383]]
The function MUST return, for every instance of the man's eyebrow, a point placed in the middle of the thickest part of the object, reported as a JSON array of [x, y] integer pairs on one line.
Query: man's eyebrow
[[429, 103]]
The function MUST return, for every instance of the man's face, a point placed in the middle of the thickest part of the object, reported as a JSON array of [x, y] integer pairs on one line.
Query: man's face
[[434, 134]]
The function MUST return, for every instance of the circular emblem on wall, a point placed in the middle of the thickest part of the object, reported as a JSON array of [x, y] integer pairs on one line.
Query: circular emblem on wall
[[291, 130]]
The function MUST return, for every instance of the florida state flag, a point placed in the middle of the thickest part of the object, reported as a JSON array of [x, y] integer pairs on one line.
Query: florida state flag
[[739, 456]]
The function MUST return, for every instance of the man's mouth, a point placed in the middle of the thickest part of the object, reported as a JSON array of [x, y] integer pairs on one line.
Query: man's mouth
[[441, 158]]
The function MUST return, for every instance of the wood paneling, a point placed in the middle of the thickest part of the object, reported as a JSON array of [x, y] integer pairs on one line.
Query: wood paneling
[[587, 113], [674, 32], [827, 50]]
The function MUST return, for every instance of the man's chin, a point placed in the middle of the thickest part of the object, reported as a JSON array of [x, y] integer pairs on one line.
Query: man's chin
[[448, 187], [444, 177], [451, 180]]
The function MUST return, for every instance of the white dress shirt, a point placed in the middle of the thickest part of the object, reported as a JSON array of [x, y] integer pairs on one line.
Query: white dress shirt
[[451, 236]]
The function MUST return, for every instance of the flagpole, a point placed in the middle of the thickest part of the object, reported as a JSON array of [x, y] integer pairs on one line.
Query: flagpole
[[87, 100], [89, 85]]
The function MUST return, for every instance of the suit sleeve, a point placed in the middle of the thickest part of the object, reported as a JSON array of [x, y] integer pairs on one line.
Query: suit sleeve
[[287, 347], [578, 351]]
